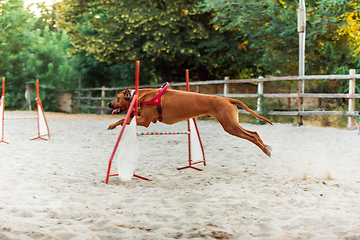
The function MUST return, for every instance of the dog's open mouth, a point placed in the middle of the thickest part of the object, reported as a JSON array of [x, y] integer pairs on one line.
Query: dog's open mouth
[[117, 111]]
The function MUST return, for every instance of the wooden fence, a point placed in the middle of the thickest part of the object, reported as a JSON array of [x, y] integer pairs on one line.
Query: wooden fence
[[352, 76]]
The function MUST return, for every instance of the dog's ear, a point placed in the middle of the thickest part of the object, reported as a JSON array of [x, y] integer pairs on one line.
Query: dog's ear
[[127, 94]]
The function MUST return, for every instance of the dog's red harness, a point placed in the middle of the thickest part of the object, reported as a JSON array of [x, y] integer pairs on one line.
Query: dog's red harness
[[157, 99]]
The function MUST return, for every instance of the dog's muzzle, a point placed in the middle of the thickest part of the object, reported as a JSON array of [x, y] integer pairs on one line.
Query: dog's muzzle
[[116, 111]]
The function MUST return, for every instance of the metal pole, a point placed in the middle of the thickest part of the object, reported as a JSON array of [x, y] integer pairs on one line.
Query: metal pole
[[302, 34]]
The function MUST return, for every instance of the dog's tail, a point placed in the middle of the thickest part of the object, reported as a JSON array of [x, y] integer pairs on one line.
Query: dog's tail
[[242, 105]]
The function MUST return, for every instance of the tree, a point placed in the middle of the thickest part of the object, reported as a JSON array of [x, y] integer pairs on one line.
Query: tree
[[270, 30], [14, 37], [29, 54], [96, 74], [14, 30], [48, 16], [167, 37]]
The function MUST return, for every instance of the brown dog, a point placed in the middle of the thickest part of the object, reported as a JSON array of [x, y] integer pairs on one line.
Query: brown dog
[[180, 105]]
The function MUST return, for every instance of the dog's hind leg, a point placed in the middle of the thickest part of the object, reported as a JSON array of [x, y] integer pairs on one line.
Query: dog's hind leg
[[238, 131], [228, 118]]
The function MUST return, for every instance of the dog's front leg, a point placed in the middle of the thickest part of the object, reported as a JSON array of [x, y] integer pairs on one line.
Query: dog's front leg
[[114, 125], [120, 122]]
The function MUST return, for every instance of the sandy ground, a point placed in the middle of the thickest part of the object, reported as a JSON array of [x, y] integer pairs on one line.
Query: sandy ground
[[308, 189]]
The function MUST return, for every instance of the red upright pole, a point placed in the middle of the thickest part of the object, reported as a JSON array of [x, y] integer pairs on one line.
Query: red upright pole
[[119, 138], [3, 87], [39, 107], [189, 136], [137, 73], [3, 111], [202, 147], [134, 103], [188, 121]]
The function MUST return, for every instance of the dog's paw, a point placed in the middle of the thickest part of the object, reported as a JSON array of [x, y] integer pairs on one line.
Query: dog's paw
[[268, 150], [269, 147], [112, 126]]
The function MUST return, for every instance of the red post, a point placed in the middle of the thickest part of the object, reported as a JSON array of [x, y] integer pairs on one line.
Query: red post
[[37, 89], [134, 103], [188, 121], [137, 74], [189, 137], [119, 138], [3, 110], [39, 108], [202, 147], [187, 80], [3, 87]]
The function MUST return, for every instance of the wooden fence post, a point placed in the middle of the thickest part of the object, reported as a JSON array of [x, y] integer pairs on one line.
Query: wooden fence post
[[102, 101], [260, 92], [198, 88], [226, 86], [79, 95], [90, 95], [351, 104]]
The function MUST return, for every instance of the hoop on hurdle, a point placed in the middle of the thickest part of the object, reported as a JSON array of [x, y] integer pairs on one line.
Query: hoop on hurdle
[[43, 128], [191, 127]]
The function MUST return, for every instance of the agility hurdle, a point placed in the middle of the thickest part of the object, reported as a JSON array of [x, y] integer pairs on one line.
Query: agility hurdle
[[192, 127], [43, 128]]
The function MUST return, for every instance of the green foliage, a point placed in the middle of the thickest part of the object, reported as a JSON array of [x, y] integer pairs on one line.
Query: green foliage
[[96, 74], [47, 17], [167, 37], [30, 54], [270, 27]]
